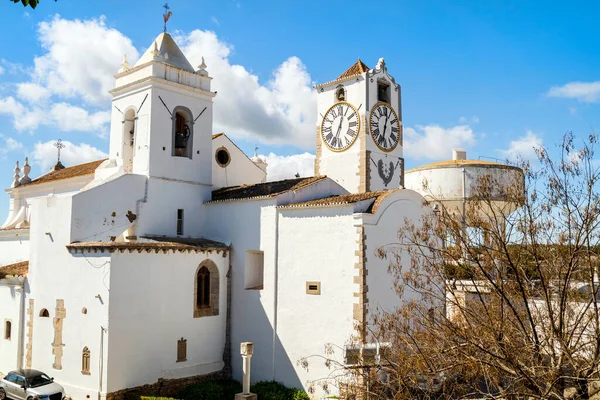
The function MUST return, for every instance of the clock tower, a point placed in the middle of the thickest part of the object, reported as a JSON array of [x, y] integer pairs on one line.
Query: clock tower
[[359, 129]]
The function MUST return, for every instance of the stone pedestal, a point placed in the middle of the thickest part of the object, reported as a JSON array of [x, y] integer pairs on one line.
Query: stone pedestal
[[246, 396]]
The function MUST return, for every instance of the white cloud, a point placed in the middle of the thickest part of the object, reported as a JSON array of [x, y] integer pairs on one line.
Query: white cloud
[[470, 120], [524, 147], [63, 116], [285, 167], [9, 145], [44, 154], [280, 111], [2, 70], [572, 110], [32, 91], [587, 92], [435, 142], [81, 58], [215, 20]]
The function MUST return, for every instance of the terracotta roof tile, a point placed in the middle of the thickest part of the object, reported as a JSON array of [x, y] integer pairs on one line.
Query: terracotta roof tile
[[267, 189], [17, 269], [157, 244], [340, 199], [358, 68], [71, 172]]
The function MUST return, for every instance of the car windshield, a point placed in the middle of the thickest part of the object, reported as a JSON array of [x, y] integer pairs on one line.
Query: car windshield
[[39, 380]]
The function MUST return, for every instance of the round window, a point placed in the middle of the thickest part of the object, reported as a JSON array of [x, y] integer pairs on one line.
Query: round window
[[222, 156]]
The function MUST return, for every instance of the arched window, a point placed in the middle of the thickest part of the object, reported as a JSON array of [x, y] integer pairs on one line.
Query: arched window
[[340, 93], [206, 290], [44, 313], [85, 361], [203, 284], [7, 330], [182, 132], [128, 140]]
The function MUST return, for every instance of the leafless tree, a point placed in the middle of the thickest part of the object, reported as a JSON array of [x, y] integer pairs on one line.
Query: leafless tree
[[515, 294]]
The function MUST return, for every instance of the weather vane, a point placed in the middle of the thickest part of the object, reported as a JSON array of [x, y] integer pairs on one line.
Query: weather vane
[[166, 15], [59, 145]]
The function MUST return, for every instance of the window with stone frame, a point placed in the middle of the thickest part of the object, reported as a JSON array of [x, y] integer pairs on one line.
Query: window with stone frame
[[181, 350], [206, 290], [7, 329], [85, 361]]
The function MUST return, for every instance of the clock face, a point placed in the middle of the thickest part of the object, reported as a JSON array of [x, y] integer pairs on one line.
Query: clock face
[[385, 127], [340, 126]]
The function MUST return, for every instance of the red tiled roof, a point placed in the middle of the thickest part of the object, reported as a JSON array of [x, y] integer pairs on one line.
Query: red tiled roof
[[17, 269], [357, 68], [158, 244], [267, 189], [66, 173], [340, 199]]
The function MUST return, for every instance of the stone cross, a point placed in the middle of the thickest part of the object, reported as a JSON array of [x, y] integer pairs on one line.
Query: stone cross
[[59, 145]]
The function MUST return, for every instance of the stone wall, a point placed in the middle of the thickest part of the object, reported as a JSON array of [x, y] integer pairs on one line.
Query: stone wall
[[167, 387]]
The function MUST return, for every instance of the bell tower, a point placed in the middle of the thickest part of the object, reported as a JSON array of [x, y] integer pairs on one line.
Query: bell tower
[[359, 129], [161, 117]]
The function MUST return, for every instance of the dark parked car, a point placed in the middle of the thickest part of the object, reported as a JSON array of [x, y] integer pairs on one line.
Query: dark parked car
[[30, 384]]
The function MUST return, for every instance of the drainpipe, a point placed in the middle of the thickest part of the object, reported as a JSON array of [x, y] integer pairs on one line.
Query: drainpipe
[[275, 286], [102, 330], [21, 338]]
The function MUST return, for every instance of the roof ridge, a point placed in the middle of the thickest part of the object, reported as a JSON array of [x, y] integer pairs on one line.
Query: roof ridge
[[358, 67]]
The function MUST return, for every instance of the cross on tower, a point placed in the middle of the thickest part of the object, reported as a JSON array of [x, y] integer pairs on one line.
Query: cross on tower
[[166, 15], [59, 145]]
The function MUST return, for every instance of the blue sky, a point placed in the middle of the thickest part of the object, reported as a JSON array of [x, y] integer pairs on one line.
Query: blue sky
[[496, 78]]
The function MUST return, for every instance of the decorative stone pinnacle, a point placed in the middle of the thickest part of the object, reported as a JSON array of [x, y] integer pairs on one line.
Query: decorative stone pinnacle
[[26, 170], [380, 65], [155, 52], [203, 64], [124, 64], [17, 176]]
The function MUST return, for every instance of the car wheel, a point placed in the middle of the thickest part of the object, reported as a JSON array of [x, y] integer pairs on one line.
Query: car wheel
[[2, 394], [30, 398]]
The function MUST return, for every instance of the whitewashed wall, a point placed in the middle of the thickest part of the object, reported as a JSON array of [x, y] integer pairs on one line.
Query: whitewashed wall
[[11, 302], [381, 231], [152, 299], [14, 246], [101, 212], [241, 170], [240, 223], [316, 244], [158, 215], [81, 281]]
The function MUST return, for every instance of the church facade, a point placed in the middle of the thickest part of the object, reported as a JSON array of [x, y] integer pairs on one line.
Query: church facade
[[160, 260]]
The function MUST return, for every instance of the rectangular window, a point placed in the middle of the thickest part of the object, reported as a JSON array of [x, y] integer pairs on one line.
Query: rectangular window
[[181, 350], [383, 92], [313, 288], [254, 271], [179, 222], [7, 329]]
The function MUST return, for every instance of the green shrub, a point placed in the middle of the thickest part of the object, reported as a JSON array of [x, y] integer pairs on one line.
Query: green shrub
[[271, 390], [225, 389], [299, 394]]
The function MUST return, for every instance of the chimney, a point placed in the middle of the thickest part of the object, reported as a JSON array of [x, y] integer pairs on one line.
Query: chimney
[[459, 154]]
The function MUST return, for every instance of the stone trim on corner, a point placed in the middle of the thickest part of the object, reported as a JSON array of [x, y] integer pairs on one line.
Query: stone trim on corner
[[29, 345], [364, 166], [318, 152], [361, 298]]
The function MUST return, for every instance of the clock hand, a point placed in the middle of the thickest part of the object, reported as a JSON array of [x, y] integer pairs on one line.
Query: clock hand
[[385, 125]]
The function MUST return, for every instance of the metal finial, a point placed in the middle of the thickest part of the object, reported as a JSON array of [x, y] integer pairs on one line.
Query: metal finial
[[255, 151], [59, 145], [166, 15]]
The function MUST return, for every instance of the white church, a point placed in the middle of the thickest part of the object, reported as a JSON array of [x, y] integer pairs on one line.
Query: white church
[[157, 262]]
